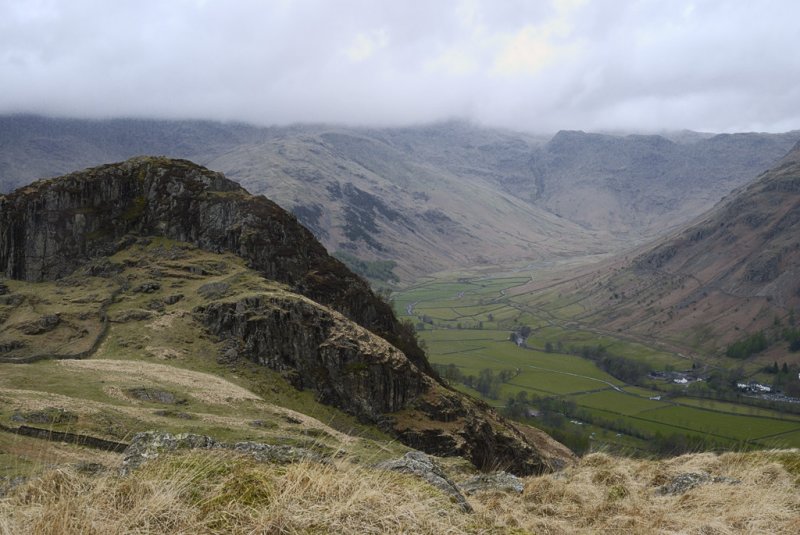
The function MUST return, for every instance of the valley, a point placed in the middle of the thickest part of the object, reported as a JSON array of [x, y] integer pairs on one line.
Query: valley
[[430, 197], [465, 322], [417, 268], [158, 323]]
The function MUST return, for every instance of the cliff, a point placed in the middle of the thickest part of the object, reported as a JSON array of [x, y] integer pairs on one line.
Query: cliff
[[327, 332], [51, 227]]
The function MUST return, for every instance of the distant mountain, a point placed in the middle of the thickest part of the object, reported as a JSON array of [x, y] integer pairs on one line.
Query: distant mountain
[[731, 273], [639, 186], [429, 197]]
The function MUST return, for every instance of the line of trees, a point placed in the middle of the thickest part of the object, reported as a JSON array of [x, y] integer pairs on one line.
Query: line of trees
[[487, 382], [755, 343], [625, 369]]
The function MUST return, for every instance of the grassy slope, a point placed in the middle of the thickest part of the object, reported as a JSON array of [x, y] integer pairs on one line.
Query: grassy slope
[[223, 493], [157, 346]]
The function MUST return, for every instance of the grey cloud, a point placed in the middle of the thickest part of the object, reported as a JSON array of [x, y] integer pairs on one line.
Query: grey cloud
[[597, 64]]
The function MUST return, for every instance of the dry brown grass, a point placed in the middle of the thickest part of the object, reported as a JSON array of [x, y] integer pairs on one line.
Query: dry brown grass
[[604, 494], [204, 386], [218, 493], [222, 493]]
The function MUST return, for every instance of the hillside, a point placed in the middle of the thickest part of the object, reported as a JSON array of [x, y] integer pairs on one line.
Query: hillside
[[430, 197], [163, 261], [219, 492], [732, 273], [639, 186]]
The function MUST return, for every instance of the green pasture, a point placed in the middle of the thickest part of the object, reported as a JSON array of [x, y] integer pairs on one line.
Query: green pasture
[[722, 424], [734, 408], [478, 349], [617, 402], [787, 440], [542, 373]]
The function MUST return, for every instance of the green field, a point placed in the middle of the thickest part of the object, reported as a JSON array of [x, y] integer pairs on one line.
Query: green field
[[467, 323]]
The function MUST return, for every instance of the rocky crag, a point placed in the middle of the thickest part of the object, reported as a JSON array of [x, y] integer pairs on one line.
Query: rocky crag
[[326, 331]]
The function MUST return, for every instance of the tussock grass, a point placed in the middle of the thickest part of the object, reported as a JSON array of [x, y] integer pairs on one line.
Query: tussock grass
[[605, 494], [220, 492], [223, 493]]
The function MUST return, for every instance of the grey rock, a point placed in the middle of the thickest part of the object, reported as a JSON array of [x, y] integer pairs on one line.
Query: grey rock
[[424, 467], [280, 454], [50, 415], [156, 305], [103, 267], [319, 350], [147, 287], [150, 444], [12, 300], [214, 290], [496, 481], [172, 299], [154, 395], [11, 345], [134, 314], [40, 326], [684, 482]]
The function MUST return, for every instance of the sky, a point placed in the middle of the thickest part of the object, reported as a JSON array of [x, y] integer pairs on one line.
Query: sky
[[530, 65]]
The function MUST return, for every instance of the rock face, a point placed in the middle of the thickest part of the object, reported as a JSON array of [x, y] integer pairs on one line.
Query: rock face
[[328, 333], [316, 348], [52, 227]]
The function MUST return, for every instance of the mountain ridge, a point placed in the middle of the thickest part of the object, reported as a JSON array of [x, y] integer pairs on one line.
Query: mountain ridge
[[431, 197], [335, 338], [729, 273]]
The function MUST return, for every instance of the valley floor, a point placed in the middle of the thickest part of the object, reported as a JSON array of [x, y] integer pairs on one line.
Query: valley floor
[[465, 320]]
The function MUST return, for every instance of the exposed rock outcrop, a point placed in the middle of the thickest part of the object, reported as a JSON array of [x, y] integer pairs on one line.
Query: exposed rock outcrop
[[51, 227], [496, 481], [316, 348], [330, 333], [351, 368], [149, 445], [685, 482], [424, 467]]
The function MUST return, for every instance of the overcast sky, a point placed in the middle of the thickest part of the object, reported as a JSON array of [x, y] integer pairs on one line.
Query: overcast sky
[[535, 65]]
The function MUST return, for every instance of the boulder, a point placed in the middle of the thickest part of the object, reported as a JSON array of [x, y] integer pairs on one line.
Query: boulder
[[424, 467]]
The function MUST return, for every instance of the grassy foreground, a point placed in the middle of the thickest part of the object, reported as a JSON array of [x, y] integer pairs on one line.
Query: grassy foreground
[[213, 492]]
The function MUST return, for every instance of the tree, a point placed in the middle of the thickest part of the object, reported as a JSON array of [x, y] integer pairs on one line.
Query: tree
[[751, 345]]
